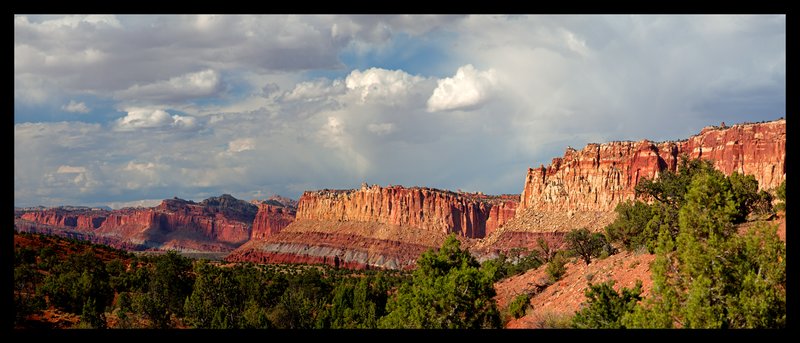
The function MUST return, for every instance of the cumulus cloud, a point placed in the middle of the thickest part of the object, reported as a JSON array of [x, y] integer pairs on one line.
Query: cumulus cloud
[[376, 84], [75, 107], [71, 21], [142, 118], [237, 104], [469, 89], [315, 90], [193, 85], [78, 178], [129, 56]]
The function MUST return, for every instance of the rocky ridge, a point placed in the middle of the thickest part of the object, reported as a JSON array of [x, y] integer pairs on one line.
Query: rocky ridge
[[599, 176], [216, 224]]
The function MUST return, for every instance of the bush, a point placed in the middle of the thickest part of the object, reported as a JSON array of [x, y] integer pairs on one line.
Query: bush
[[605, 307], [585, 244], [556, 267], [763, 203], [519, 305], [630, 225], [553, 320], [515, 262], [780, 193]]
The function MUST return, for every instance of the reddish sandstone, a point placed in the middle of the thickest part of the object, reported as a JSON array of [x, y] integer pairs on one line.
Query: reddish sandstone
[[271, 219], [600, 176], [466, 214], [215, 224]]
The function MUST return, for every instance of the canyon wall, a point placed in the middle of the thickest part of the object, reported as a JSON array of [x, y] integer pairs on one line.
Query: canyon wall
[[600, 176], [271, 219], [377, 227], [216, 224], [470, 215]]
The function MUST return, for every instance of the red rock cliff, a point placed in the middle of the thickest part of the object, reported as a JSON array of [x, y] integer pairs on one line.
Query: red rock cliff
[[271, 219], [215, 224], [600, 176], [468, 215], [82, 220], [757, 149]]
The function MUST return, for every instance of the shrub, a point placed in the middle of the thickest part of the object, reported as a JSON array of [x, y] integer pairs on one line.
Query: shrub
[[585, 244], [519, 305], [605, 307], [556, 267]]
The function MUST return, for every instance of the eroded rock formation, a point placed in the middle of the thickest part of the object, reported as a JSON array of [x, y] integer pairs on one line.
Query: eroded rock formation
[[466, 214], [215, 224], [271, 219], [377, 227], [600, 176]]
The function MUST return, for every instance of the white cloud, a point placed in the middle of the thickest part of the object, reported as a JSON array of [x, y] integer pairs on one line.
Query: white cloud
[[252, 119], [136, 203], [64, 169], [80, 179], [193, 85], [30, 89], [183, 122], [242, 144], [469, 89], [388, 86], [75, 107], [140, 167], [315, 90], [381, 129], [73, 21], [143, 118], [332, 133]]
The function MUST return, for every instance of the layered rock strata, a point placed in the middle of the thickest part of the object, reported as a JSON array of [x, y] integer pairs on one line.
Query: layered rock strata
[[471, 215], [216, 224], [378, 227], [600, 176]]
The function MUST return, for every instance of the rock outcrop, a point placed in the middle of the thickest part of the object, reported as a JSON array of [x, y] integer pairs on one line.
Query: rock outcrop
[[600, 176], [216, 224], [271, 218], [357, 245], [469, 215], [377, 227], [758, 149], [79, 219]]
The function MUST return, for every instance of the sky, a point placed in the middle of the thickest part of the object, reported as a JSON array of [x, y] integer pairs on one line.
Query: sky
[[127, 110]]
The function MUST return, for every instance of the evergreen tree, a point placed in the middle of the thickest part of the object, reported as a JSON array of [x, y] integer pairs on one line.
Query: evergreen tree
[[710, 277], [585, 244], [605, 307], [447, 290]]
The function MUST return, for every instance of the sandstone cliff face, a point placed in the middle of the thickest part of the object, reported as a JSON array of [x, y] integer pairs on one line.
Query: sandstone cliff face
[[353, 244], [758, 149], [271, 219], [467, 215], [373, 227], [600, 176], [84, 220], [215, 224]]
